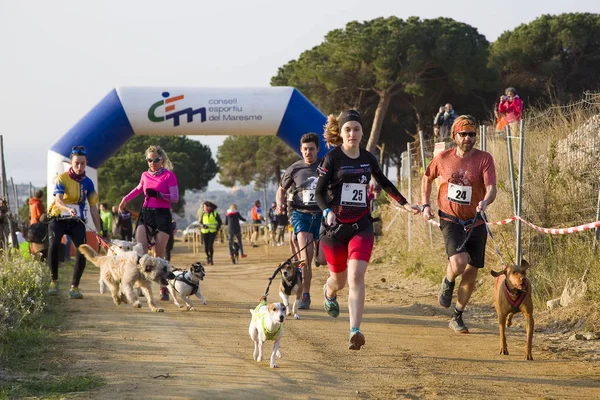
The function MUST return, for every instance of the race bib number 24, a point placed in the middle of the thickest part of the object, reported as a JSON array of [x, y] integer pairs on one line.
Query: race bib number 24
[[459, 194]]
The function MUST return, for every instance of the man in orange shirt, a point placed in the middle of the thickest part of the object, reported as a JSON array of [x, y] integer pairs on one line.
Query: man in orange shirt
[[468, 186], [36, 207]]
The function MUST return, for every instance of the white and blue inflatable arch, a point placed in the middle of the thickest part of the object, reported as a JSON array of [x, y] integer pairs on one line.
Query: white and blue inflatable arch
[[127, 111]]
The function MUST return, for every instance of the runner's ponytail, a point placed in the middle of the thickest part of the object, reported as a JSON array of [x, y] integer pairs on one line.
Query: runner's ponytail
[[332, 131]]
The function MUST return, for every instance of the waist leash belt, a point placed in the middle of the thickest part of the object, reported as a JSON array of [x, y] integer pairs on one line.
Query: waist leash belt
[[342, 230], [466, 224]]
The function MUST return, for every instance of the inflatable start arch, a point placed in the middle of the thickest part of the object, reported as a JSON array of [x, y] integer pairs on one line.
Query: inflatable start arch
[[127, 111]]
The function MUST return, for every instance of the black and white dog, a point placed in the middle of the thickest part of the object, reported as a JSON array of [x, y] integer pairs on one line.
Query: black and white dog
[[187, 283]]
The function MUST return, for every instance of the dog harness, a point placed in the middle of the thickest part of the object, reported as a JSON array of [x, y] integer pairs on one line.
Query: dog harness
[[514, 299], [182, 278], [260, 315], [289, 285]]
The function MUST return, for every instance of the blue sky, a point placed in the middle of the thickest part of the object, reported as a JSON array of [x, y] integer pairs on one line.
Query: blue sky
[[59, 58]]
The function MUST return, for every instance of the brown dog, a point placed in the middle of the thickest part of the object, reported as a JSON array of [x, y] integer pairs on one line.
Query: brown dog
[[512, 294]]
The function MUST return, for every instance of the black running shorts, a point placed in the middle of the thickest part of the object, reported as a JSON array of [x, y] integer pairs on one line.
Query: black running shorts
[[454, 235]]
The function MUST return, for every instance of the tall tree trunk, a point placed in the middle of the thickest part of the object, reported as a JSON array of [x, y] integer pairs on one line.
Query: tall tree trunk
[[385, 98]]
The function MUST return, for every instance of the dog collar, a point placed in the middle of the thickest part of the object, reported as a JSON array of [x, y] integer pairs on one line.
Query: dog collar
[[515, 303]]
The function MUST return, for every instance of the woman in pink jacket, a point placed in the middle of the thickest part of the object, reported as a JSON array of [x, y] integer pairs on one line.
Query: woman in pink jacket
[[511, 105], [159, 186]]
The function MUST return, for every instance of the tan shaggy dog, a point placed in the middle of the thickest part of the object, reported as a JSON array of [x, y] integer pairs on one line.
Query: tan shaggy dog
[[128, 269], [512, 294]]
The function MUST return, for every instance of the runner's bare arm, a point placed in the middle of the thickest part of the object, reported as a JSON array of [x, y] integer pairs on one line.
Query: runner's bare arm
[[425, 197], [490, 196], [58, 202], [96, 217], [280, 198]]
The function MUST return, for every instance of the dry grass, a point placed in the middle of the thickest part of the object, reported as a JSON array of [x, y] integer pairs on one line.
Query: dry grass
[[560, 189]]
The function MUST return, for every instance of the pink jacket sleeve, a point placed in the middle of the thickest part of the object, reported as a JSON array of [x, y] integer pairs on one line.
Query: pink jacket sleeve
[[135, 192], [173, 195]]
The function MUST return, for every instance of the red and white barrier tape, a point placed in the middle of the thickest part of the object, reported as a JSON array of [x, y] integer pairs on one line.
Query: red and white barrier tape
[[563, 231], [551, 231], [503, 222]]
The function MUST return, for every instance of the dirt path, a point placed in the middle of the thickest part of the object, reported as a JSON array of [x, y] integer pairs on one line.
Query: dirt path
[[410, 352]]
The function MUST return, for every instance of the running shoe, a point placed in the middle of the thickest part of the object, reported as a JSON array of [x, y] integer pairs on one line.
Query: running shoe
[[53, 289], [244, 255], [305, 302], [445, 295], [164, 294], [356, 339], [457, 324], [74, 293], [330, 304]]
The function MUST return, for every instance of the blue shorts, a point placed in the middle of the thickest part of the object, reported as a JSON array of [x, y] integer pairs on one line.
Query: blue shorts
[[306, 222]]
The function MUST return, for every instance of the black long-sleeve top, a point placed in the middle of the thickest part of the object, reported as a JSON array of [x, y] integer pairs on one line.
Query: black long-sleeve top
[[342, 184]]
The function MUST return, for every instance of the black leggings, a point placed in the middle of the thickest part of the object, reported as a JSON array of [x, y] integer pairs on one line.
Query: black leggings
[[209, 241], [56, 230]]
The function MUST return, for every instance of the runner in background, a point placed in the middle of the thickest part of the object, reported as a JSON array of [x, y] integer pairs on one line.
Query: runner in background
[[306, 217], [257, 219]]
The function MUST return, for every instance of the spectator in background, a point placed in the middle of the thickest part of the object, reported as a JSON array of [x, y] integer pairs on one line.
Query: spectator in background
[[444, 120], [273, 222], [282, 225], [510, 107], [106, 218], [232, 220], [115, 219], [257, 219], [36, 207], [125, 225], [210, 223]]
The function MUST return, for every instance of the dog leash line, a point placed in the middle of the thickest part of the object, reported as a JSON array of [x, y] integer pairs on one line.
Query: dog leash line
[[469, 232], [286, 262], [489, 232]]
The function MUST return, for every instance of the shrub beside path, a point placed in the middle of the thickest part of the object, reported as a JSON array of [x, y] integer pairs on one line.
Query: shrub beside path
[[410, 352]]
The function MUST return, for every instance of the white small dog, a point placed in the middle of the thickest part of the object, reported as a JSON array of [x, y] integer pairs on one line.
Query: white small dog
[[187, 283], [267, 324]]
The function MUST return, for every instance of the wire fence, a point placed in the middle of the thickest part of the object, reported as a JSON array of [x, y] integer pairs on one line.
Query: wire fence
[[560, 182]]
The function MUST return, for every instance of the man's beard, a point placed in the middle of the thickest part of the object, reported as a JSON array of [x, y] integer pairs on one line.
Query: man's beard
[[466, 146]]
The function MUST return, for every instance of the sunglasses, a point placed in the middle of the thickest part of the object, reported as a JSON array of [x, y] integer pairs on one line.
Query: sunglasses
[[465, 134], [79, 151], [154, 160]]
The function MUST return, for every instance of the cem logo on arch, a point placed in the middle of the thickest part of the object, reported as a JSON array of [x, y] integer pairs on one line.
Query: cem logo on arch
[[169, 104]]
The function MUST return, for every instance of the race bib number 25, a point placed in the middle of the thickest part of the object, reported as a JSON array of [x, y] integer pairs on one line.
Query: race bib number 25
[[354, 195], [459, 194]]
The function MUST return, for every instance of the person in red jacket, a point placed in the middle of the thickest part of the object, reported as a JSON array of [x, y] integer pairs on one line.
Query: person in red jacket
[[511, 106], [36, 207]]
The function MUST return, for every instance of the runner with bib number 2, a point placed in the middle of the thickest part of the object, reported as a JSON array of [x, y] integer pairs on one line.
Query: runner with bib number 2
[[348, 237], [302, 177], [468, 186]]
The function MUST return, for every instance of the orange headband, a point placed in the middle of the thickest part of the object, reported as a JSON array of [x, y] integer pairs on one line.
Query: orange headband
[[462, 124]]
